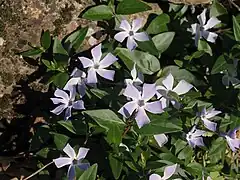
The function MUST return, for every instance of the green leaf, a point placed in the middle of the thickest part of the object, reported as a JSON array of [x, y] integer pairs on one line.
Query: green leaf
[[32, 52], [74, 126], [236, 29], [59, 53], [116, 166], [219, 65], [105, 118], [114, 135], [46, 40], [60, 140], [60, 79], [76, 38], [162, 41], [194, 168], [217, 150], [90, 173], [204, 46], [148, 46], [132, 7], [101, 12], [217, 9], [160, 124], [147, 63], [158, 24]]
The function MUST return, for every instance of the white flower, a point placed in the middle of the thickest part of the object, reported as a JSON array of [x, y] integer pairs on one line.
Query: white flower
[[168, 172], [161, 139], [130, 32], [201, 30], [162, 91], [137, 77], [194, 137]]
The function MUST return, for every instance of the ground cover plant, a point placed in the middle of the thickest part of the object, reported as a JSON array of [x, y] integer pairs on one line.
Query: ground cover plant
[[156, 99]]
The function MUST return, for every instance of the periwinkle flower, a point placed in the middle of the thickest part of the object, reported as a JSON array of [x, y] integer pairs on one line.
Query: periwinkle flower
[[205, 115], [194, 137], [202, 29], [66, 102], [163, 91], [139, 103], [233, 139], [161, 139], [98, 66], [137, 77], [130, 32], [168, 172], [78, 80], [72, 160]]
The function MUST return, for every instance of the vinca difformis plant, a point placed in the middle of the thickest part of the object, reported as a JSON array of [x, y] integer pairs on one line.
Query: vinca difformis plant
[[158, 98]]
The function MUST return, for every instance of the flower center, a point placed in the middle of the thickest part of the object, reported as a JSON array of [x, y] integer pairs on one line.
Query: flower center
[[131, 33], [96, 66], [141, 103], [75, 161], [70, 103]]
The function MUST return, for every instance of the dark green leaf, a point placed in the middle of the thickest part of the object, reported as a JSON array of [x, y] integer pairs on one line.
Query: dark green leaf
[[116, 166], [147, 63], [217, 150], [46, 40], [219, 65], [58, 48], [32, 52], [236, 29], [74, 126], [194, 168], [60, 140], [105, 118], [162, 41], [114, 135], [159, 24], [90, 173], [148, 46], [101, 12], [204, 46], [217, 9], [160, 124], [60, 79], [76, 38], [132, 7]]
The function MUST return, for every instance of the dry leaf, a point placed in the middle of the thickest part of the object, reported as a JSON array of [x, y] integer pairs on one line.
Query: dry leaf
[[191, 2]]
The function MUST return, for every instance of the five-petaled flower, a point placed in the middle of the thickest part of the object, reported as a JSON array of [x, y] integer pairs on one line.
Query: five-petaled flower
[[66, 102], [233, 139], [72, 160], [78, 80], [205, 115], [130, 32], [163, 91], [137, 77], [194, 137], [168, 172], [140, 103], [201, 30], [98, 66]]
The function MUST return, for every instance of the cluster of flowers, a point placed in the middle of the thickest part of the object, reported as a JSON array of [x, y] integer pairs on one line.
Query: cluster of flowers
[[137, 92]]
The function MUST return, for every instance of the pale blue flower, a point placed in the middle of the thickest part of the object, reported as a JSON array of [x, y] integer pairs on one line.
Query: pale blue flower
[[168, 172], [194, 137], [232, 139], [161, 139]]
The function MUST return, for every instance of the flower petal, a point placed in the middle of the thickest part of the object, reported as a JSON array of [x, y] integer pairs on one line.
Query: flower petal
[[141, 117], [57, 100], [202, 17], [165, 102], [82, 89], [154, 107], [131, 43], [209, 125], [58, 110], [149, 90], [132, 92], [213, 21], [197, 142], [121, 36], [194, 28], [92, 76], [61, 94], [72, 82], [69, 151], [182, 87], [78, 105], [71, 173], [68, 113], [128, 109], [136, 24], [83, 166], [78, 73], [107, 60], [97, 53], [168, 82], [86, 62], [142, 36], [155, 177], [82, 152], [62, 161], [211, 113], [107, 74], [125, 25], [234, 144], [169, 171], [134, 72], [161, 139], [209, 36]]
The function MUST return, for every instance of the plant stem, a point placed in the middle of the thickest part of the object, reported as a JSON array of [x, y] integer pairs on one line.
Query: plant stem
[[38, 171]]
